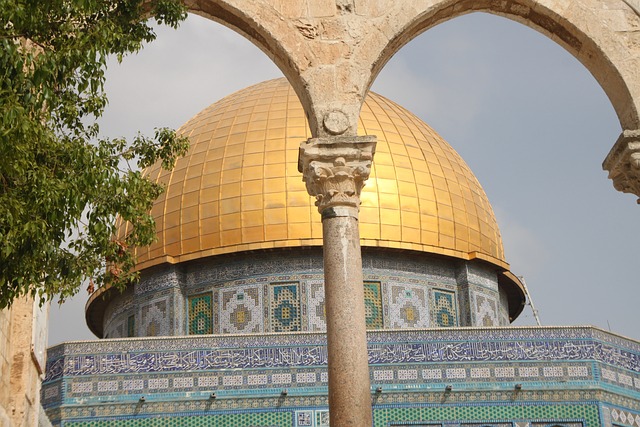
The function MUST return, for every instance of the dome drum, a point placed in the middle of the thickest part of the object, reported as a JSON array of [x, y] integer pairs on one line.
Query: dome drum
[[281, 290]]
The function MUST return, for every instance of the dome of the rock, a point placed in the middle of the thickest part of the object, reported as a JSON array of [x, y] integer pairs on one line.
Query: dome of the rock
[[238, 191]]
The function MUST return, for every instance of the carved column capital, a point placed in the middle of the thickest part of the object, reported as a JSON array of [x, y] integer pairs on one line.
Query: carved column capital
[[623, 163], [334, 170]]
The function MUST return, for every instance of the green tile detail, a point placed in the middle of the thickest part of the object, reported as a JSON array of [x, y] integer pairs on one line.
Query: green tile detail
[[445, 309], [407, 415], [373, 305], [200, 314], [285, 308], [259, 419]]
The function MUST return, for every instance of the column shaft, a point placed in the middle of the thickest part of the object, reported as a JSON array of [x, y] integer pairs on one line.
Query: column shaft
[[349, 388]]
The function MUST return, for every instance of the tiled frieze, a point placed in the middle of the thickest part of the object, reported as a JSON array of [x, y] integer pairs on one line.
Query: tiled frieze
[[411, 346], [619, 377], [296, 412], [159, 278], [616, 416], [395, 377], [400, 293], [490, 359]]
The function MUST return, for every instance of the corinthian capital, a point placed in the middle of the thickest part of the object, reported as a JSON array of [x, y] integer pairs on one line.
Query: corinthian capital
[[335, 169], [623, 163]]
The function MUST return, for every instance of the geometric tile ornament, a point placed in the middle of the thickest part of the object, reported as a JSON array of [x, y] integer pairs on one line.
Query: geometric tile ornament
[[317, 315], [444, 309], [201, 314], [485, 309], [241, 310], [284, 307], [373, 305], [408, 307], [154, 319]]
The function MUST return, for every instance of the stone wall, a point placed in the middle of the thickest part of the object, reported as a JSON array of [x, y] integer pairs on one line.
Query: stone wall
[[23, 331]]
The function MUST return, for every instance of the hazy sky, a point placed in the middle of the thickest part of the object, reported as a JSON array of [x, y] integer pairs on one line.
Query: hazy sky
[[528, 118]]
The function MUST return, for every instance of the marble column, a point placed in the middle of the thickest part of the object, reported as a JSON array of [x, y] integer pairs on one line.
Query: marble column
[[334, 169]]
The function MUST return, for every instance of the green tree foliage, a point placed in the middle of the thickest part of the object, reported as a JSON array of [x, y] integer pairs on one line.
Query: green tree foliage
[[61, 185]]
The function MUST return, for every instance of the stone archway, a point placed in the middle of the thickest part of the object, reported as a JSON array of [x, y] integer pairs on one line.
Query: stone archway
[[332, 50]]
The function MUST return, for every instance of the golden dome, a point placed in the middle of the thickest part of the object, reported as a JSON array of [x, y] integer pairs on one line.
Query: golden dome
[[238, 188]]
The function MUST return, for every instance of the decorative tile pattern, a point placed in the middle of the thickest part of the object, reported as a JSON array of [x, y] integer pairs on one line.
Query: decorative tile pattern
[[317, 313], [432, 374], [484, 310], [553, 371], [531, 372], [131, 326], [154, 318], [505, 372], [407, 374], [480, 373], [241, 310], [304, 418], [305, 267], [624, 417], [284, 307], [577, 371], [408, 306], [444, 309], [201, 314], [383, 375], [373, 305], [183, 382], [231, 418], [322, 418], [133, 385]]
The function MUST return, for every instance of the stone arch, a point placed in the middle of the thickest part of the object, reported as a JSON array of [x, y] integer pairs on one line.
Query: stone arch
[[267, 27], [332, 50], [599, 33]]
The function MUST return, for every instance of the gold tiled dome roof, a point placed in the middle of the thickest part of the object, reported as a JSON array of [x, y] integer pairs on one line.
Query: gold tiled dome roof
[[238, 188]]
